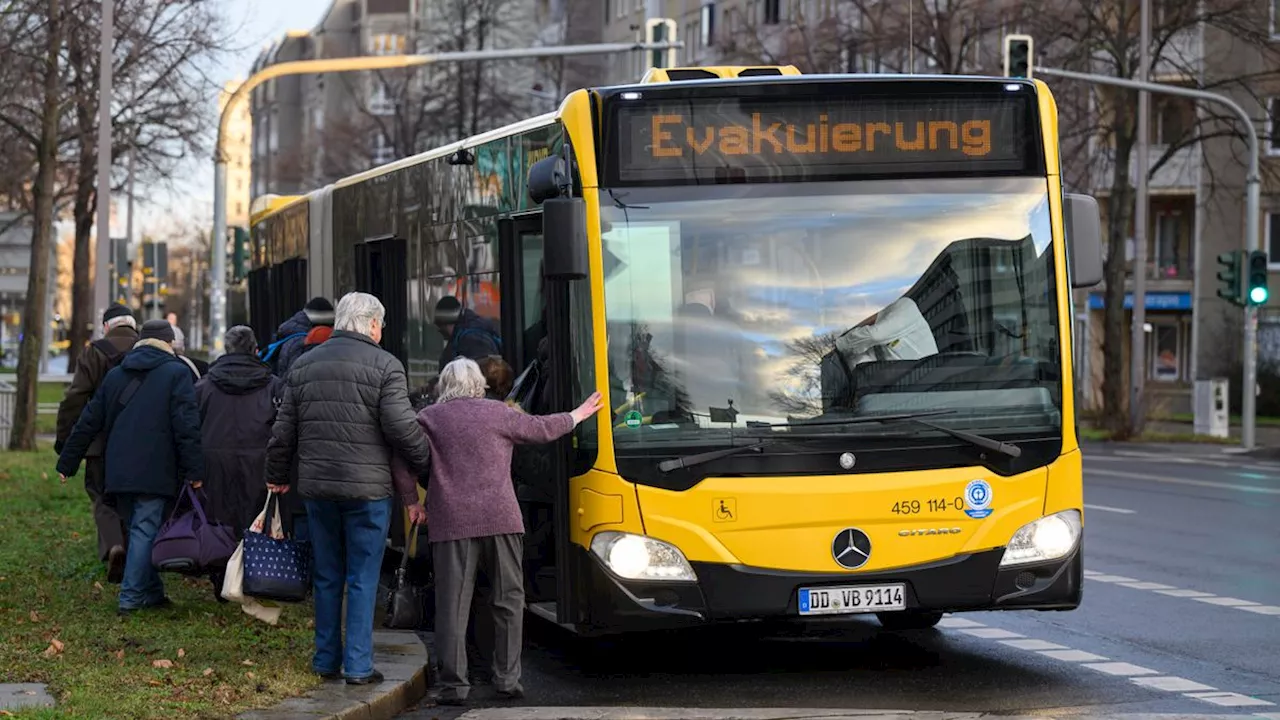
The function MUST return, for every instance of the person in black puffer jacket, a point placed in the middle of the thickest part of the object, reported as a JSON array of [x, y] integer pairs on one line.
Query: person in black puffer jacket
[[238, 400], [345, 413]]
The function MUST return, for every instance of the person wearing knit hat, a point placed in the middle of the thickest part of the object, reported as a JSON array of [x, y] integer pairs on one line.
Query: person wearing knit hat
[[465, 333], [120, 332], [149, 395], [292, 333]]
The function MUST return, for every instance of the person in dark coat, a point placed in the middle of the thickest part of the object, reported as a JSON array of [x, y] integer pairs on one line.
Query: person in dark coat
[[345, 414], [120, 332], [238, 400], [147, 408], [293, 332], [466, 334]]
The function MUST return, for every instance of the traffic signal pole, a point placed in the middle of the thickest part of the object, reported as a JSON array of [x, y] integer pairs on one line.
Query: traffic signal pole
[[1252, 240], [218, 264]]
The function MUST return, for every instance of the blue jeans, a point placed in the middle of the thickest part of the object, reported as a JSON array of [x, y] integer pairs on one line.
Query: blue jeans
[[348, 538], [141, 586]]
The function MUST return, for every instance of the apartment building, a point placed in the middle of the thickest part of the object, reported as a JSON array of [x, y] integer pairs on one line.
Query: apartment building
[[238, 146], [1196, 212]]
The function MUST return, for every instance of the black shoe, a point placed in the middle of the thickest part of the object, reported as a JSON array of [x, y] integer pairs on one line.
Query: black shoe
[[451, 700], [333, 675], [160, 604], [115, 564], [515, 693], [373, 679]]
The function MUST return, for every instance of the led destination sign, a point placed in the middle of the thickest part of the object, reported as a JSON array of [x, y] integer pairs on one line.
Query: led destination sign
[[735, 139]]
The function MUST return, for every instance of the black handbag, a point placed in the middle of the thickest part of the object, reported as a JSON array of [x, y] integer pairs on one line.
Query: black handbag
[[405, 602]]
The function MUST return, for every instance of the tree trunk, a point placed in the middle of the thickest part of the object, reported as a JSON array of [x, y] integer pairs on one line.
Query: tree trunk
[[1115, 415], [82, 319], [23, 435]]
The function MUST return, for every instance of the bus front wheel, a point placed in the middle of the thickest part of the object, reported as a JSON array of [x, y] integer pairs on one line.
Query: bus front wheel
[[908, 620]]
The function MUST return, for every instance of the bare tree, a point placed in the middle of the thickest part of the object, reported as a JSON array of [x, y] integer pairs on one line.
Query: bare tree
[[46, 23], [159, 49]]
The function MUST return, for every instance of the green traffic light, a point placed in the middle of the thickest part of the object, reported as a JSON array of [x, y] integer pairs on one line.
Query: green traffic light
[[1258, 295]]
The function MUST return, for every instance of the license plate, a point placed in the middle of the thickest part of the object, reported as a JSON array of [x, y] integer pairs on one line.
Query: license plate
[[853, 599]]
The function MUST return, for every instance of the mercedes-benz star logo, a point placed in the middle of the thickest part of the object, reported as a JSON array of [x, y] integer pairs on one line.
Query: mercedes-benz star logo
[[851, 548]]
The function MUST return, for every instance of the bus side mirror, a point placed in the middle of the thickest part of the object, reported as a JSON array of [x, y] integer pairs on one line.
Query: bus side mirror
[[1084, 240], [564, 237], [564, 220]]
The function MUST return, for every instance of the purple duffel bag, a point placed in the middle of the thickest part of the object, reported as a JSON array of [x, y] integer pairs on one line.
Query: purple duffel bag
[[188, 542]]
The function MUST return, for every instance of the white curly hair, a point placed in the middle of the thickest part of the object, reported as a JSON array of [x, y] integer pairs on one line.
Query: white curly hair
[[461, 379]]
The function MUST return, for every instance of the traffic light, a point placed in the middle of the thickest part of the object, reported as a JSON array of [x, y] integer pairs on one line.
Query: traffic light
[[1018, 56], [239, 254], [658, 30], [1229, 280], [1258, 293]]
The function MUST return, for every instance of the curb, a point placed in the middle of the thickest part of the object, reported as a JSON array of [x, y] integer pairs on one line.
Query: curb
[[399, 655], [660, 713]]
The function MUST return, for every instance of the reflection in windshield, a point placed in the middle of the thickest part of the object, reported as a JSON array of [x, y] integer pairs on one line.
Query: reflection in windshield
[[724, 312]]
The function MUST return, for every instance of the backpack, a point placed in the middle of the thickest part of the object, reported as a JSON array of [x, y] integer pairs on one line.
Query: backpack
[[493, 337], [270, 356]]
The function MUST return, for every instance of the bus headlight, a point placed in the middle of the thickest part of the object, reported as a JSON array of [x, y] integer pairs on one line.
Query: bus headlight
[[1049, 538], [636, 557]]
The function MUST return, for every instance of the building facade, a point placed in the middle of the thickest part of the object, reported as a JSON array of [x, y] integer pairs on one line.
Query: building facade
[[238, 147]]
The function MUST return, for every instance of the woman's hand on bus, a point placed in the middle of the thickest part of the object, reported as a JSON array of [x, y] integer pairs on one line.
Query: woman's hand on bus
[[277, 489], [417, 514], [588, 408]]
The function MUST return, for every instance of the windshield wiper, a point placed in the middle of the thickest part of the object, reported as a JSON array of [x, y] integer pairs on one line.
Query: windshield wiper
[[689, 461], [981, 441]]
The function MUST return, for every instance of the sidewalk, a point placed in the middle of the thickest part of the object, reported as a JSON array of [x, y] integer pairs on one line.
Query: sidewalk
[[615, 713]]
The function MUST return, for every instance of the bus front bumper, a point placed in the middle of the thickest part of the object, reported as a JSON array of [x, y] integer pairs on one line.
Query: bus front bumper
[[735, 593]]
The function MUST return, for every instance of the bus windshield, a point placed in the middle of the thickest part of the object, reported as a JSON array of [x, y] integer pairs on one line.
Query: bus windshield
[[758, 306]]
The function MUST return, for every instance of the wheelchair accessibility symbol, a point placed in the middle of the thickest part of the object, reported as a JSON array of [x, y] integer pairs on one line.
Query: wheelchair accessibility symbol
[[725, 510], [977, 497]]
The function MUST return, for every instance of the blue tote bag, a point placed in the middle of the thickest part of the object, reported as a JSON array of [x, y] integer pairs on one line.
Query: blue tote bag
[[276, 568]]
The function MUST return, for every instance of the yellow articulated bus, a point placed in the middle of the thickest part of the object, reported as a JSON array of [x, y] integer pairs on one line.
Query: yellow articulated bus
[[831, 316]]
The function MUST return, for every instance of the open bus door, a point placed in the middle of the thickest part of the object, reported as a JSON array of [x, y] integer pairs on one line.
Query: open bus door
[[381, 270], [533, 310]]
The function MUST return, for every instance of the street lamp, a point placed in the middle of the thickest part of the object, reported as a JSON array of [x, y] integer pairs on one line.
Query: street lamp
[[101, 283]]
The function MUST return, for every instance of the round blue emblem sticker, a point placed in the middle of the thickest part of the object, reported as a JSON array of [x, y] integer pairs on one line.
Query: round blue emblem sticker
[[977, 498]]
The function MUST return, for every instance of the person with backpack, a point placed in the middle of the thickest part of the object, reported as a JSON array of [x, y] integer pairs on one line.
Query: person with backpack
[[292, 333], [120, 332], [147, 408], [466, 334]]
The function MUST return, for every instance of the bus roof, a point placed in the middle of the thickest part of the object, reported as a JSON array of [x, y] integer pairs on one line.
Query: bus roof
[[265, 206], [788, 79]]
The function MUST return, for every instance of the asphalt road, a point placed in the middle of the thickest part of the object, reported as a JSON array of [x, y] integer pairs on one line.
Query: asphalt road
[[1181, 615]]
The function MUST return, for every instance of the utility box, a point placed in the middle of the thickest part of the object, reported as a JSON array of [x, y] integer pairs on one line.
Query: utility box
[[1213, 414]]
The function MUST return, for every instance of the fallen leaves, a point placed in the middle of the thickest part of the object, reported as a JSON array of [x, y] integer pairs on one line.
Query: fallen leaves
[[55, 648], [35, 616], [247, 663], [163, 664], [120, 654], [98, 586], [250, 675], [207, 672], [181, 653]]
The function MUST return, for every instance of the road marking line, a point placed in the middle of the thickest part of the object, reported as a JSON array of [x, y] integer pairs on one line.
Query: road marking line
[[1177, 592], [1032, 644], [1113, 579], [1107, 508], [1184, 481], [1146, 586], [955, 622], [1229, 699], [1072, 655], [987, 633], [1120, 668], [1226, 601], [1171, 684], [1092, 573], [1262, 609]]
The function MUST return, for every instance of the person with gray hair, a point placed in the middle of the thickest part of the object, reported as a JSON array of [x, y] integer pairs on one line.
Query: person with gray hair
[[120, 332], [238, 398], [475, 518], [345, 414]]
